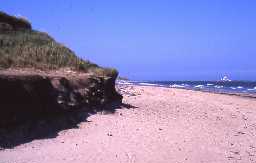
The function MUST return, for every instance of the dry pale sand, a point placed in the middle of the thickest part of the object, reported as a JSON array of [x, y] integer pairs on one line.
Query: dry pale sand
[[165, 125]]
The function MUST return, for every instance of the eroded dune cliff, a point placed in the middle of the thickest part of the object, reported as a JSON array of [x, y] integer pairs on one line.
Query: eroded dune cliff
[[39, 76]]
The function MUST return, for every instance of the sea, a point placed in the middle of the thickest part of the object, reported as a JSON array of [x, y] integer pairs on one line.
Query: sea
[[240, 87]]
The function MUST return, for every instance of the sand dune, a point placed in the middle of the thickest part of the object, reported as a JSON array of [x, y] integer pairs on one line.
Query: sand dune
[[164, 125]]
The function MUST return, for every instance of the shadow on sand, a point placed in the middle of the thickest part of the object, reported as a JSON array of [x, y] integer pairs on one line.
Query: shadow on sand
[[49, 127]]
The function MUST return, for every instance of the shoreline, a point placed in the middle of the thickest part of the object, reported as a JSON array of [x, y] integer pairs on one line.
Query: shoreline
[[246, 95]]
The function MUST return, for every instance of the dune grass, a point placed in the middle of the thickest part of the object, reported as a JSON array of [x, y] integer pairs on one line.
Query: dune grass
[[23, 47], [33, 49]]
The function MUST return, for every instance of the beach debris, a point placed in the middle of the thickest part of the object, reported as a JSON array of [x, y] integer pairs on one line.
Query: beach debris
[[235, 152], [239, 133], [244, 117]]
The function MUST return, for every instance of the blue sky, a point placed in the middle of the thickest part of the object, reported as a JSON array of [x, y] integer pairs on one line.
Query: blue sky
[[153, 40]]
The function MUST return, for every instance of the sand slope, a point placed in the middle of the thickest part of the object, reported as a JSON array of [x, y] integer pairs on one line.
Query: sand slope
[[164, 126]]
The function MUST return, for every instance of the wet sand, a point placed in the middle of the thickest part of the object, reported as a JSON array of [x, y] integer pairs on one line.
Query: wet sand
[[163, 125]]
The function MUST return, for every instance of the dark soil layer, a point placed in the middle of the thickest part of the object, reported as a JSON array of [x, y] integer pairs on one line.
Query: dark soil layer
[[29, 96]]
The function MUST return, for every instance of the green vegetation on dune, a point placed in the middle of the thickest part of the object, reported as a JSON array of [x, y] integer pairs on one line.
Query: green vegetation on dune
[[27, 48], [37, 50]]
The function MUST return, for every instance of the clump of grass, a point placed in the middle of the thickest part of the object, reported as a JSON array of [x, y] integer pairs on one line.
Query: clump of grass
[[16, 23], [35, 49], [104, 72]]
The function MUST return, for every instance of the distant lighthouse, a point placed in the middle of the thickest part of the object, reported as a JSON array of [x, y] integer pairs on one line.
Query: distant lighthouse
[[225, 79]]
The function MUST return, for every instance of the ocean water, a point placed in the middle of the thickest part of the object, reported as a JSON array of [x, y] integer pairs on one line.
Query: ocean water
[[248, 87]]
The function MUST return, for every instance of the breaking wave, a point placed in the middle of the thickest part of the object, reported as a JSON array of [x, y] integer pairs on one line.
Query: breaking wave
[[212, 86]]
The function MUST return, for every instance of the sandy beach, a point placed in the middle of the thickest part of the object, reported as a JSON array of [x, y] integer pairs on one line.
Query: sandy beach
[[162, 125]]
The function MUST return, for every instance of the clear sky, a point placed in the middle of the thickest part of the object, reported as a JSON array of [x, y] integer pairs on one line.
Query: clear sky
[[153, 40]]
